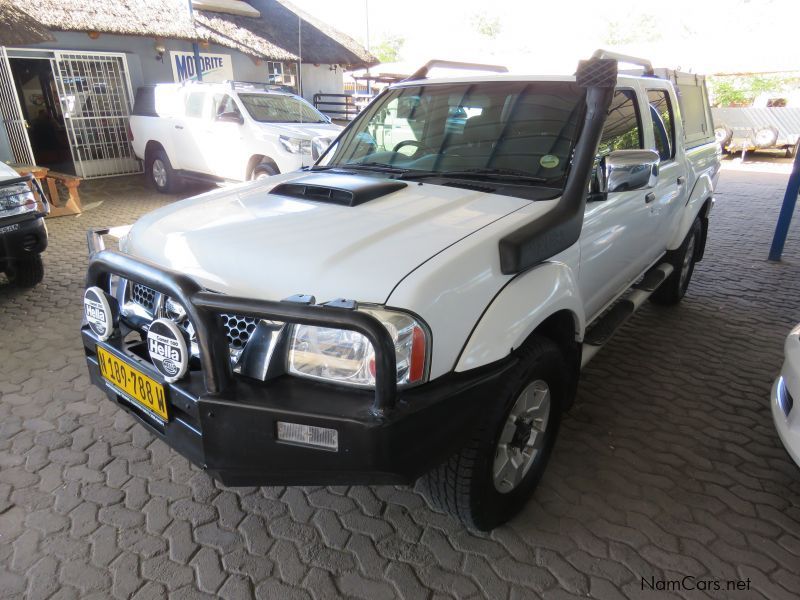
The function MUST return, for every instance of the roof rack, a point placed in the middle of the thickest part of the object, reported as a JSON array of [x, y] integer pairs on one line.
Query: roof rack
[[646, 65], [269, 87], [422, 72]]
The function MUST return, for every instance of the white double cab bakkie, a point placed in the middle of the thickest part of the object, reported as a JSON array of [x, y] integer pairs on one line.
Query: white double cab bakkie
[[231, 131], [415, 305]]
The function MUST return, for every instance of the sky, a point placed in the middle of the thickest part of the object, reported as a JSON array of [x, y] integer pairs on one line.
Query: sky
[[543, 36]]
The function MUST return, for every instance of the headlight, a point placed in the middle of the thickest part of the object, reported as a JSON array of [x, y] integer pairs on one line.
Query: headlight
[[343, 356], [296, 145], [16, 200]]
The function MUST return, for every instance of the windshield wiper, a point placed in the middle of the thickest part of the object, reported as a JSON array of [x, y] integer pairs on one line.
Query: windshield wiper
[[376, 166], [508, 175]]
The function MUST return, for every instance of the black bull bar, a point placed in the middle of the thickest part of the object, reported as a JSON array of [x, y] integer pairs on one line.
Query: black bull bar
[[203, 309]]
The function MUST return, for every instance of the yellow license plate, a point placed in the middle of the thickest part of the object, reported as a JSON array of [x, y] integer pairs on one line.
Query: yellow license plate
[[137, 386]]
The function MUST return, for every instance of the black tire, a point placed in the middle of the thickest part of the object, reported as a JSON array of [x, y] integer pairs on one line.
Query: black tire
[[262, 171], [161, 174], [683, 260], [464, 485], [26, 272]]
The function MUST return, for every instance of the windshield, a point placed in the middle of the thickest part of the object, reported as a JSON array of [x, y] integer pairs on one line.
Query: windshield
[[524, 129], [275, 108]]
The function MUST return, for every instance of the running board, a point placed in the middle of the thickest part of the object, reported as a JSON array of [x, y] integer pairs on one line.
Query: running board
[[604, 328]]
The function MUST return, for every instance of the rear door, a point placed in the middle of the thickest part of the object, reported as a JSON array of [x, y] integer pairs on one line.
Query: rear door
[[188, 133], [666, 137], [616, 239]]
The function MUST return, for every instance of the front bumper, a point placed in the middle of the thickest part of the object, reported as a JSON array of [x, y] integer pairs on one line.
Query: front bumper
[[787, 418], [227, 424], [233, 435], [22, 236]]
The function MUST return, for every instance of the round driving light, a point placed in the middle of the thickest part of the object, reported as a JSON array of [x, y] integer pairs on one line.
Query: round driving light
[[98, 312], [167, 348]]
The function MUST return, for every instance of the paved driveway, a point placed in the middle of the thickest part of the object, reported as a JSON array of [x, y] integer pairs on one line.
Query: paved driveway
[[668, 466]]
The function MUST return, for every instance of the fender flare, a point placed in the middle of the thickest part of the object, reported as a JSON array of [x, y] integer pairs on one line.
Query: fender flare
[[518, 309], [702, 191]]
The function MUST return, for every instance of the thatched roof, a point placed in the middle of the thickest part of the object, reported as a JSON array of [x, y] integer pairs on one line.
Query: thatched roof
[[321, 43], [240, 33], [151, 18], [273, 36], [18, 29]]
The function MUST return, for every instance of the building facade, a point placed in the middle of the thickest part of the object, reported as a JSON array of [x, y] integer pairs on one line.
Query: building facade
[[65, 102]]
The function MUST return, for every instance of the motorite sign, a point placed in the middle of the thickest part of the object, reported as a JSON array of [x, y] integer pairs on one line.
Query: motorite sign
[[214, 67]]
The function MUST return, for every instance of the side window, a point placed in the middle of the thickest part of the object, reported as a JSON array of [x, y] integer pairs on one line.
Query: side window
[[663, 123], [623, 129], [194, 104], [223, 103]]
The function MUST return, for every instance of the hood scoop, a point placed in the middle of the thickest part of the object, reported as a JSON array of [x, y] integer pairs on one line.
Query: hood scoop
[[333, 188]]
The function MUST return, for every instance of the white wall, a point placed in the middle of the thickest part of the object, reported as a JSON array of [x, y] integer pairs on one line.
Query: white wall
[[321, 79]]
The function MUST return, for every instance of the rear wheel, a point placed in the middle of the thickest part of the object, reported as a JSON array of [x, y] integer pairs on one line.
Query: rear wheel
[[683, 260], [489, 480], [26, 272], [161, 174]]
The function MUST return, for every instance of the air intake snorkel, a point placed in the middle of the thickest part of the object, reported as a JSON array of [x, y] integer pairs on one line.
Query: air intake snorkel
[[560, 228]]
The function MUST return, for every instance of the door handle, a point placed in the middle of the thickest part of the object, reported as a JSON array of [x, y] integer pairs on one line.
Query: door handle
[[681, 180], [178, 126], [649, 197]]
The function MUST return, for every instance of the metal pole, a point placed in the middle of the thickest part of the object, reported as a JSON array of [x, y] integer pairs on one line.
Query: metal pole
[[787, 210], [299, 56], [198, 63]]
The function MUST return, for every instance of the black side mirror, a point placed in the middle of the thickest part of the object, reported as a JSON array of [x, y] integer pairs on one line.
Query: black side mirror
[[230, 117]]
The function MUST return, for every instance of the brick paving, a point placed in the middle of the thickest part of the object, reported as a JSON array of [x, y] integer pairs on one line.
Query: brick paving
[[667, 466]]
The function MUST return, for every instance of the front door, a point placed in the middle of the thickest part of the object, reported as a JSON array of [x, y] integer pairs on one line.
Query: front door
[[616, 238], [226, 138]]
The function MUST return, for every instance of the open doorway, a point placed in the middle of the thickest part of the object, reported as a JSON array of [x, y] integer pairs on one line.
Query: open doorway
[[38, 98]]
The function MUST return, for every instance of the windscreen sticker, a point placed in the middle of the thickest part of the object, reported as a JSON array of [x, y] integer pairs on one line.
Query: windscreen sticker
[[549, 161]]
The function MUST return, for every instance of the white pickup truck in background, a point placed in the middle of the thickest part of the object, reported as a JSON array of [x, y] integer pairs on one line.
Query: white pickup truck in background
[[217, 132], [420, 302]]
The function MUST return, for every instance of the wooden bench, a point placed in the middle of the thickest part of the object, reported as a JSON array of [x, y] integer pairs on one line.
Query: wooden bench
[[51, 182]]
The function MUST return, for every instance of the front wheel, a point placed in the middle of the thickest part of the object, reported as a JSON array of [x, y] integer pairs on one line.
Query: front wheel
[[491, 478], [26, 272], [683, 260], [263, 171]]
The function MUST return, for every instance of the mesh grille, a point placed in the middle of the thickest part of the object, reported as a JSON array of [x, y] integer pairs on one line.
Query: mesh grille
[[239, 329], [144, 296]]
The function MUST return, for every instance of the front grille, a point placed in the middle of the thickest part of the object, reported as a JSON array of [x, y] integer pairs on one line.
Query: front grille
[[239, 329], [144, 297]]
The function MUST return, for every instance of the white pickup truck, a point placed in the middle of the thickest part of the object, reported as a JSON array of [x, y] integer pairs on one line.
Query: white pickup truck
[[416, 309], [216, 132]]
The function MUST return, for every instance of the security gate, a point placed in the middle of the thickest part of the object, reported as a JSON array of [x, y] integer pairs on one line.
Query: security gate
[[11, 114], [95, 94]]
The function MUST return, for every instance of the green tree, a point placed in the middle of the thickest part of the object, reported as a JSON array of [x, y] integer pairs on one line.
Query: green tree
[[488, 27], [388, 49]]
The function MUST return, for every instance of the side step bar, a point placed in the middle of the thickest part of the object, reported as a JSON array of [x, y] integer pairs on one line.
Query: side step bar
[[604, 328]]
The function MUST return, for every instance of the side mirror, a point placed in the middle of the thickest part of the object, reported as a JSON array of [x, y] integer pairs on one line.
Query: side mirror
[[318, 145], [627, 170], [230, 117]]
